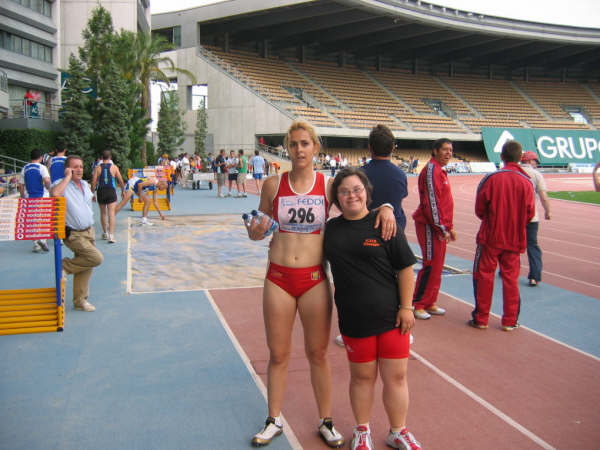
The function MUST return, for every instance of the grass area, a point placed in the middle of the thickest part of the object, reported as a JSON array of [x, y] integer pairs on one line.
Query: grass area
[[577, 196]]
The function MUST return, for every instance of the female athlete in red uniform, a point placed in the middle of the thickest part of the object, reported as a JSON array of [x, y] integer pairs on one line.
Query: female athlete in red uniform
[[295, 280]]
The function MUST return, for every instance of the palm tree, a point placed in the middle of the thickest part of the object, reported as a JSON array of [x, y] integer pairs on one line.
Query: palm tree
[[140, 57]]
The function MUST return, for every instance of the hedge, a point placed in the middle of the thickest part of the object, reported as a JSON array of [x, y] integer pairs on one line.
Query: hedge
[[19, 143]]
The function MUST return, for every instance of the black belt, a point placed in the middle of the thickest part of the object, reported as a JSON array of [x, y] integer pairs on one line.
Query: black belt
[[68, 230]]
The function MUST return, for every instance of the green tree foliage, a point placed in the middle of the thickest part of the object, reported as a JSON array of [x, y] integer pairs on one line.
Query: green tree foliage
[[98, 39], [76, 119], [114, 116], [140, 59], [170, 127], [201, 130]]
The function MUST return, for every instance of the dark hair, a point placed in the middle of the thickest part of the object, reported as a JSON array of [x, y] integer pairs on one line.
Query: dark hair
[[106, 154], [240, 151], [511, 151], [439, 144], [381, 141], [348, 172], [71, 158], [36, 153], [256, 152]]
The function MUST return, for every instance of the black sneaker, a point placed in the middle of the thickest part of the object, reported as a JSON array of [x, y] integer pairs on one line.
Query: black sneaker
[[266, 435], [330, 435]]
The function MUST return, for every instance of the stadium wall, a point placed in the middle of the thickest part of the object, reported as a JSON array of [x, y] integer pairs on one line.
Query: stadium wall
[[235, 113]]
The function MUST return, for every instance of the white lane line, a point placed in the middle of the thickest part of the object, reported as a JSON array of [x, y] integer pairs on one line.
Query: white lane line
[[545, 336], [287, 430], [129, 287], [511, 422], [166, 291]]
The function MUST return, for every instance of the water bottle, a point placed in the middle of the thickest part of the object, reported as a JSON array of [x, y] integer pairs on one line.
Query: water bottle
[[247, 219], [272, 224]]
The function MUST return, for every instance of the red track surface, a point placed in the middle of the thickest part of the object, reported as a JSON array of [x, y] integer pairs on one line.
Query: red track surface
[[546, 388], [537, 388]]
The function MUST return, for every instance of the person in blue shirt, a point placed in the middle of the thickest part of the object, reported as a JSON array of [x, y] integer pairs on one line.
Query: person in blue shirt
[[34, 183], [388, 180], [56, 164], [142, 187]]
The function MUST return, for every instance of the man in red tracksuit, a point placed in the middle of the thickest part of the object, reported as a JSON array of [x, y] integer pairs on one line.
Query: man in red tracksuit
[[505, 204], [433, 223]]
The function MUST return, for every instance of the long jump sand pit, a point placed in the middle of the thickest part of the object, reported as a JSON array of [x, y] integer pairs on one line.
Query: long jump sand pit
[[195, 252]]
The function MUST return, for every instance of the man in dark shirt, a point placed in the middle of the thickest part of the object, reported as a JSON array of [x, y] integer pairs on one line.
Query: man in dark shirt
[[389, 182]]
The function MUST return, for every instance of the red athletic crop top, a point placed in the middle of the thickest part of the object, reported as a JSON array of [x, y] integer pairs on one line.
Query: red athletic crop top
[[301, 213]]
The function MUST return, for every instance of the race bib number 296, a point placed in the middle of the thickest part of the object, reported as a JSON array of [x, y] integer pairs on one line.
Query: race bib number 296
[[301, 213]]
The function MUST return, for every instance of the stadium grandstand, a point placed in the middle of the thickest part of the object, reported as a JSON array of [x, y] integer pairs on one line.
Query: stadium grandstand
[[423, 70]]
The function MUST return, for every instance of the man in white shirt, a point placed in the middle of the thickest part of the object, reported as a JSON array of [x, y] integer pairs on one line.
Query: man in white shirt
[[232, 172], [80, 231], [529, 162]]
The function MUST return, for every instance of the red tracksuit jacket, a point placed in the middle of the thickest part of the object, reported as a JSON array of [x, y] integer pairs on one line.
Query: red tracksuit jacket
[[505, 203], [436, 206]]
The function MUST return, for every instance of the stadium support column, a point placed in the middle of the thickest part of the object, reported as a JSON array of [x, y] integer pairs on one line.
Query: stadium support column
[[379, 63], [301, 53], [415, 67], [342, 58], [226, 45], [526, 74], [451, 69], [265, 48]]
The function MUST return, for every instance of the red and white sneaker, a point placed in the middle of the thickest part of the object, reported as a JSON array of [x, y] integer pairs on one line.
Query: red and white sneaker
[[403, 440], [361, 439]]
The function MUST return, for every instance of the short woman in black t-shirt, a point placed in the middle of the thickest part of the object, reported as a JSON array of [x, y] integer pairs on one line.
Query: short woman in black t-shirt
[[374, 283]]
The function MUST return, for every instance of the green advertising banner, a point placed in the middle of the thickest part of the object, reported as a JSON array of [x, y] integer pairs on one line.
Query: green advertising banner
[[554, 147]]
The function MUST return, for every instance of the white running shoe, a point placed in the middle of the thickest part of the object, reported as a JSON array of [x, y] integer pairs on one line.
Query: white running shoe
[[266, 435], [330, 435], [436, 311], [361, 439], [403, 440], [146, 223], [105, 236], [228, 194], [111, 239], [84, 305], [422, 314], [339, 340], [37, 248]]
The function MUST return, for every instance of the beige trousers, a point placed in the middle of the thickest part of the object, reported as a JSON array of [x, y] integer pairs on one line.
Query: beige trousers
[[85, 258]]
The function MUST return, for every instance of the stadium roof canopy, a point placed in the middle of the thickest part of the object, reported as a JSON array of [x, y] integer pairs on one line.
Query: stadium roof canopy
[[409, 33]]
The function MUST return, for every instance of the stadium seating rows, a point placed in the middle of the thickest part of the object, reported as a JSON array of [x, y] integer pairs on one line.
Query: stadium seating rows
[[328, 95]]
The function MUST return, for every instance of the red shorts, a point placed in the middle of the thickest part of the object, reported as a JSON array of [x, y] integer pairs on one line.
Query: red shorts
[[295, 280], [391, 345]]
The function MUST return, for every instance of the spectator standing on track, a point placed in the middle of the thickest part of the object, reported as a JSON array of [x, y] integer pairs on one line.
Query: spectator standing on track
[[389, 182], [596, 177], [232, 174], [56, 164], [434, 226], [34, 183], [80, 238], [104, 184], [529, 162], [374, 283], [505, 203], [258, 169], [242, 172], [221, 171]]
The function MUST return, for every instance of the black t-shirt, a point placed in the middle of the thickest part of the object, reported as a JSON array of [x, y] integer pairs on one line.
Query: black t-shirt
[[364, 269]]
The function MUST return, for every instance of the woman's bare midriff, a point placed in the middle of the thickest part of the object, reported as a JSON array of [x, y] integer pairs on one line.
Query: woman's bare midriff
[[296, 249]]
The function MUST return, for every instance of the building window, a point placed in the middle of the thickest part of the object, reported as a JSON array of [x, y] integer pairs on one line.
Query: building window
[[171, 34], [25, 47], [197, 96], [577, 114], [41, 6]]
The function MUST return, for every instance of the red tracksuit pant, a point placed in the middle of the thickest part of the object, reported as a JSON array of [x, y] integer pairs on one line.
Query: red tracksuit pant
[[429, 279], [484, 268]]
